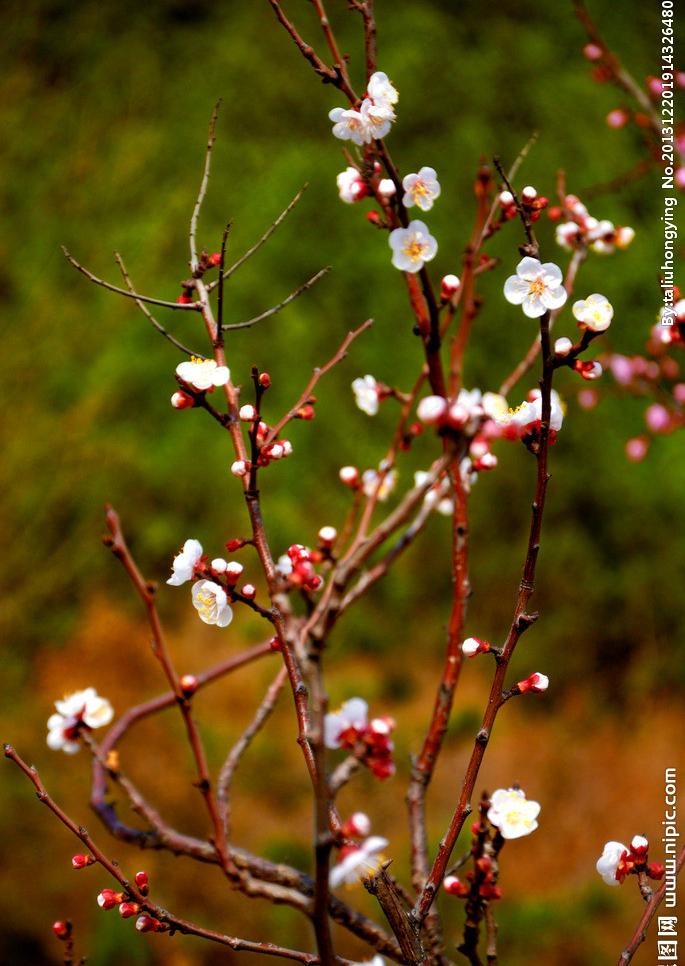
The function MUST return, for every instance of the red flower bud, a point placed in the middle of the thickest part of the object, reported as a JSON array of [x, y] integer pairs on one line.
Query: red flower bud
[[141, 878], [655, 870], [62, 929], [79, 861], [108, 898], [214, 259], [128, 909], [264, 380], [188, 684], [233, 545], [184, 299], [453, 886]]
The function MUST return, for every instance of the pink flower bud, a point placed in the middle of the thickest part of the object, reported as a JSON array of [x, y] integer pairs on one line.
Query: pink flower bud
[[62, 929], [188, 684], [488, 461], [639, 845], [349, 475], [679, 392], [247, 413], [240, 468], [592, 369], [536, 683], [146, 923], [529, 193], [128, 909], [637, 448], [264, 380], [432, 410], [358, 826], [233, 571], [506, 199], [181, 400], [328, 535], [81, 861], [658, 418], [457, 415], [448, 286], [592, 51], [453, 886], [473, 646], [618, 118], [249, 591], [108, 898]]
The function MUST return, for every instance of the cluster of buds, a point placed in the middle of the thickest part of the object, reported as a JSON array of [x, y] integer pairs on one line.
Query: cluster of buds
[[582, 230], [369, 741], [297, 564], [616, 861], [531, 202], [276, 449], [205, 262], [127, 906], [360, 855], [464, 414]]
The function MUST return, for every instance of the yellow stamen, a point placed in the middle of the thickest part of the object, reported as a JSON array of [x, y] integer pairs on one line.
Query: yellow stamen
[[414, 250], [536, 287]]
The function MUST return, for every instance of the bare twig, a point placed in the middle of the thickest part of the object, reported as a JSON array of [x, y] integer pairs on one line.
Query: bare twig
[[180, 306], [640, 933], [281, 305], [211, 138], [148, 315]]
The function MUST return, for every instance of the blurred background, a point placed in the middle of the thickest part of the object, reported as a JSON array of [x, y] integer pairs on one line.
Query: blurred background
[[104, 116]]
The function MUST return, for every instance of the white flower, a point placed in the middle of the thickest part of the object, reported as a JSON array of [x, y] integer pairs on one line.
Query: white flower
[[351, 187], [358, 862], [494, 405], [412, 246], [202, 374], [184, 563], [421, 189], [377, 118], [609, 860], [437, 497], [349, 125], [595, 312], [352, 714], [365, 391], [284, 565], [535, 287], [211, 603], [567, 234], [372, 483], [82, 708], [530, 412], [512, 813], [380, 90]]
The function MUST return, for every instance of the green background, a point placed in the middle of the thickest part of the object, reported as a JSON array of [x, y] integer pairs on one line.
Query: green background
[[104, 116]]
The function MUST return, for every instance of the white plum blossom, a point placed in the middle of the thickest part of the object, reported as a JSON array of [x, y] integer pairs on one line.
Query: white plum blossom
[[358, 862], [380, 90], [365, 390], [382, 486], [421, 189], [185, 562], [609, 861], [595, 312], [512, 813], [353, 713], [530, 412], [412, 246], [351, 186], [494, 405], [349, 125], [202, 374], [377, 118], [80, 709], [536, 287], [211, 603]]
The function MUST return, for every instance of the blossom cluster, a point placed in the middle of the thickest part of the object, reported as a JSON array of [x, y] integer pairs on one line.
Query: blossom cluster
[[349, 727], [374, 118], [361, 853], [215, 583], [583, 230], [297, 565]]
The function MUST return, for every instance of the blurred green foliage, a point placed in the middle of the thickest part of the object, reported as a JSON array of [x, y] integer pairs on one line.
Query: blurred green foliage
[[104, 113]]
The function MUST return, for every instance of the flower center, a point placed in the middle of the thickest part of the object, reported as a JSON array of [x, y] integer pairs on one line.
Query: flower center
[[207, 602], [536, 287], [414, 250]]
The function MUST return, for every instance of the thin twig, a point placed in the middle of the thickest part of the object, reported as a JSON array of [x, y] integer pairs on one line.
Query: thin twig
[[180, 306], [281, 305], [317, 373], [148, 315], [258, 244], [211, 138], [640, 933]]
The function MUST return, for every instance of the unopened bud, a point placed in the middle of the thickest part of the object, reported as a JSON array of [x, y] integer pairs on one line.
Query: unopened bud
[[592, 51], [563, 346], [432, 410], [588, 370], [506, 199], [247, 413], [357, 826], [181, 400], [473, 646], [81, 861], [188, 684], [453, 886], [240, 468], [218, 565], [108, 898], [327, 535], [146, 923], [349, 475], [214, 259], [448, 286], [264, 380], [128, 909], [62, 929], [536, 683], [639, 845], [233, 571], [529, 193], [386, 187], [249, 591], [655, 870]]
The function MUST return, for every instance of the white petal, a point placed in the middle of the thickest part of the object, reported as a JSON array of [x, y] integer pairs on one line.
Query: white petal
[[533, 307], [552, 274], [528, 268], [515, 290], [225, 617], [554, 298]]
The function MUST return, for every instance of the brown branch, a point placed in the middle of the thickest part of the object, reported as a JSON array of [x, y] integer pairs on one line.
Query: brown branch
[[182, 306], [223, 785], [261, 241], [175, 923], [211, 138], [148, 315], [280, 305], [391, 902], [365, 8], [317, 373], [640, 933]]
